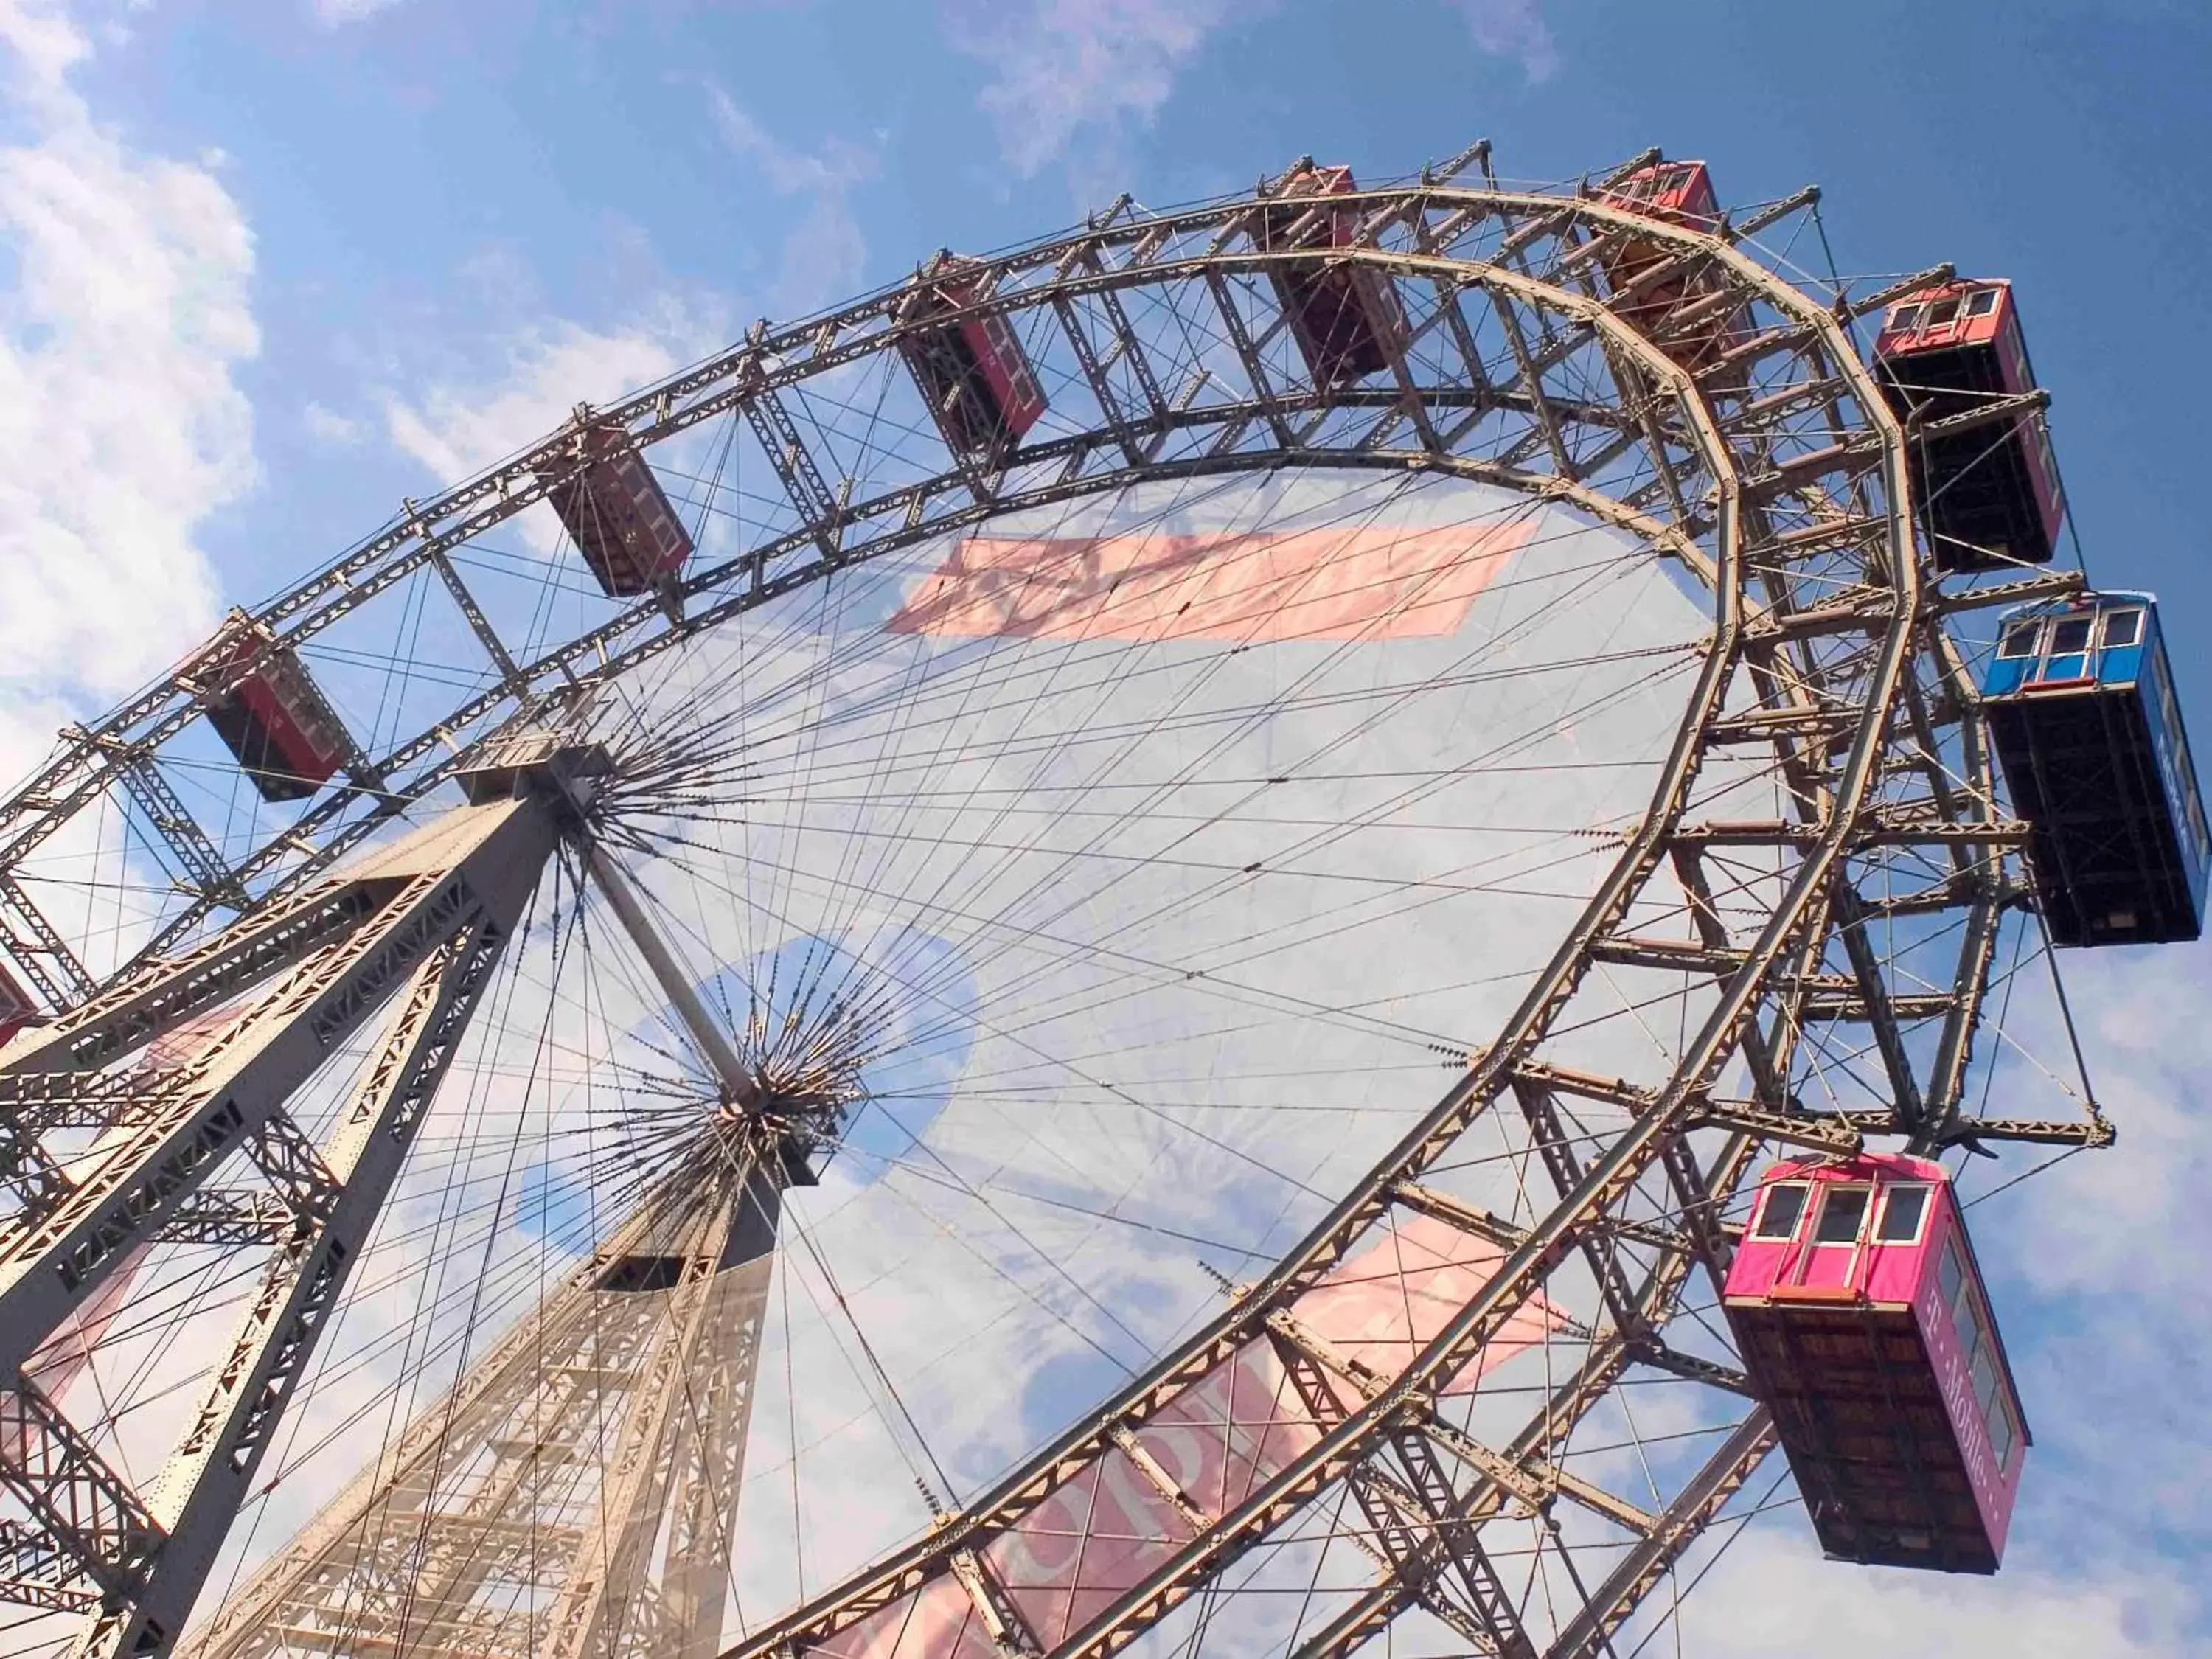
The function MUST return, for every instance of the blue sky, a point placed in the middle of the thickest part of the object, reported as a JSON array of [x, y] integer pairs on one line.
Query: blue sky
[[426, 185], [266, 266]]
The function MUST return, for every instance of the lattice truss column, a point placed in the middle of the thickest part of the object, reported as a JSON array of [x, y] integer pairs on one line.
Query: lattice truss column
[[1394, 1419], [574, 1494], [1399, 1420], [1169, 353], [107, 1162]]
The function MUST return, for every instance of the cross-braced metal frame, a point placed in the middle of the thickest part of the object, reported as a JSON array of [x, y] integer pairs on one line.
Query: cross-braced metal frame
[[417, 927], [511, 1481], [1871, 904]]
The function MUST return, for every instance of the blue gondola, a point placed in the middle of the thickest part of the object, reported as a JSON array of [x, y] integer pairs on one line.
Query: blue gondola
[[2082, 708]]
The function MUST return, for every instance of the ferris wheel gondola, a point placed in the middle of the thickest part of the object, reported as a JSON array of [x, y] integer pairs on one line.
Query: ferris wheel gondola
[[820, 863]]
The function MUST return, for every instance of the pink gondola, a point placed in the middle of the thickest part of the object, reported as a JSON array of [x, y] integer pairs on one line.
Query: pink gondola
[[612, 506], [1678, 193], [266, 706], [978, 381], [1866, 1328], [1345, 318]]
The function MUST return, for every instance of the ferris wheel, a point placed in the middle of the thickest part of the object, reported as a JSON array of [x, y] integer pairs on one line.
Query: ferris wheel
[[1273, 925]]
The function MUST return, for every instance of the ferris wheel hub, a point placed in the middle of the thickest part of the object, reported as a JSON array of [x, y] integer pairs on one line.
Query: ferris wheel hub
[[1619, 363], [566, 774]]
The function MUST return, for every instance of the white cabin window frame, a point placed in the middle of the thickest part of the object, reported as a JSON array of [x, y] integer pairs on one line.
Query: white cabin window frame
[[1923, 1194], [1761, 1226]]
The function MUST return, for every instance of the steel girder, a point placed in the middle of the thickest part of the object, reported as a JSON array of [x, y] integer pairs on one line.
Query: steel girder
[[416, 928], [1775, 474], [1829, 717], [1095, 268], [397, 1561]]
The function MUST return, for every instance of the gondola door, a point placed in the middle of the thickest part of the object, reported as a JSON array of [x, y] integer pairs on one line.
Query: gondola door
[[1835, 1243]]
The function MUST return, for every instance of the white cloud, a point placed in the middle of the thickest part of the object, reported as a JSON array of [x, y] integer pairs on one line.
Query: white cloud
[[545, 371], [788, 171], [1512, 29], [127, 313], [1771, 1594], [521, 383], [327, 426], [526, 384], [1060, 66], [821, 256], [2109, 1325], [336, 13], [28, 720], [44, 40], [1061, 69]]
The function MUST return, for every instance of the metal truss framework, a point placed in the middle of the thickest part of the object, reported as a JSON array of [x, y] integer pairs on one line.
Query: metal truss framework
[[1773, 471], [617, 1409], [417, 928]]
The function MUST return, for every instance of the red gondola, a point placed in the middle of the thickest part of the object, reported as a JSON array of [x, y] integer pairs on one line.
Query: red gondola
[[616, 511], [1991, 492], [1344, 317], [1679, 193], [1866, 1330], [973, 374], [265, 708]]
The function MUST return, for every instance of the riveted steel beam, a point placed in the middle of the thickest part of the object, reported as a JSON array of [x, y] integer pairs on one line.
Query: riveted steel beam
[[1723, 1476], [423, 919], [1826, 611]]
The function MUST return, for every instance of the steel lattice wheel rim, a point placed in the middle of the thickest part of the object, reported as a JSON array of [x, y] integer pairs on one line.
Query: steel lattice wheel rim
[[1778, 480]]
